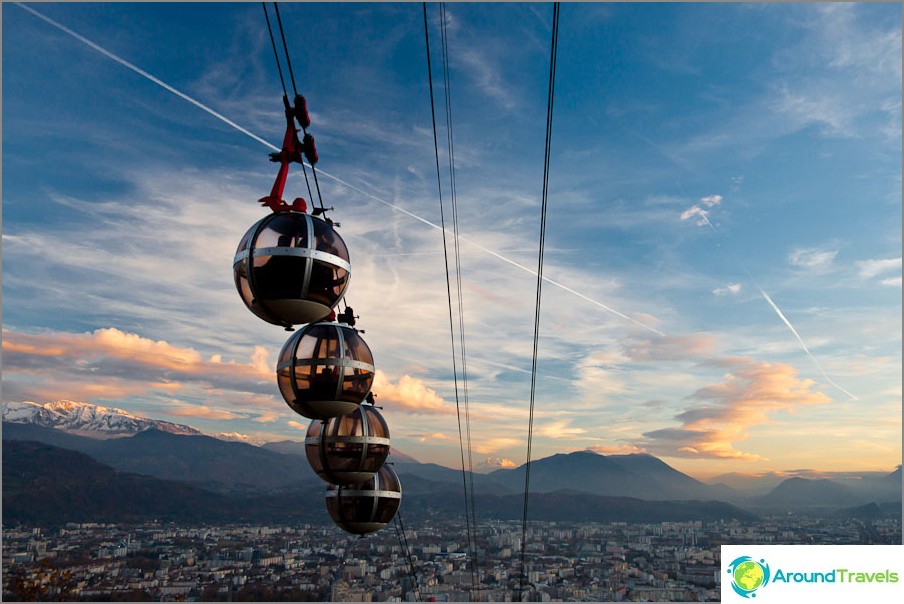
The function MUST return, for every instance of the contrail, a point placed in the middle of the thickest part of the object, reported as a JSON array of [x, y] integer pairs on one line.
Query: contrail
[[226, 120], [142, 72], [801, 341], [785, 320], [495, 254]]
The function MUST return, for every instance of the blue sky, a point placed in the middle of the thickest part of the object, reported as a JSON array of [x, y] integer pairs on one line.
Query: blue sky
[[724, 227]]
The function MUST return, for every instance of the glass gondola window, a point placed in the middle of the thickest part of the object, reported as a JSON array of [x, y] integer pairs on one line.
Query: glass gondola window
[[291, 268], [368, 506], [325, 370], [348, 449]]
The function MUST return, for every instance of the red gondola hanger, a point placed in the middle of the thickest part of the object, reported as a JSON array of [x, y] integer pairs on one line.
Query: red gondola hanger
[[292, 151]]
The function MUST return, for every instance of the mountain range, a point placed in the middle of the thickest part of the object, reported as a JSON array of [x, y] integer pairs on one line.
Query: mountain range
[[128, 445], [92, 420]]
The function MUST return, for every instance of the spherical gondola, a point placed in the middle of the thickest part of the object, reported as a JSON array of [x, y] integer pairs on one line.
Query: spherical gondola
[[348, 449], [291, 268], [366, 507], [325, 370]]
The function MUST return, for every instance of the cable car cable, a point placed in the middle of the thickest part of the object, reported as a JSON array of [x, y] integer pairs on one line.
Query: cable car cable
[[458, 272], [303, 127], [285, 92], [203, 107], [448, 280], [407, 551], [542, 243], [285, 48], [308, 140], [275, 53]]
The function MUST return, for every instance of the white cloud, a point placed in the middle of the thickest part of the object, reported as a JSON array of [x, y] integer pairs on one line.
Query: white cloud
[[813, 260], [710, 201], [805, 108], [730, 289], [487, 76], [702, 215], [879, 266]]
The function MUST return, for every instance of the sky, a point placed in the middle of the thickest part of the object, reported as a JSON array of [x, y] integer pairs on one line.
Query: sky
[[723, 234]]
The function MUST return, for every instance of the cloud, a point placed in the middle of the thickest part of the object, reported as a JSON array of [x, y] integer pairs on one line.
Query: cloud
[[878, 266], [732, 289], [670, 348], [490, 445], [616, 449], [891, 282], [493, 463], [710, 201], [486, 76], [813, 260], [752, 393], [559, 429], [266, 417], [702, 215], [410, 395], [297, 425], [109, 364], [433, 436], [803, 109], [851, 46], [203, 412]]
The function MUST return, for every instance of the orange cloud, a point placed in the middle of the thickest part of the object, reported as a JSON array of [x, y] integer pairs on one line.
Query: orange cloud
[[409, 394], [559, 429], [616, 449], [266, 417], [112, 344], [297, 425], [110, 363], [491, 445], [434, 436], [500, 462], [748, 397]]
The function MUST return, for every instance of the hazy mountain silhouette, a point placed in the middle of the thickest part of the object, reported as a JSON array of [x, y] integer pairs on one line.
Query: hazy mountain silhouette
[[845, 491], [46, 485], [49, 485], [805, 492], [202, 460], [569, 505], [876, 485], [239, 467], [636, 475]]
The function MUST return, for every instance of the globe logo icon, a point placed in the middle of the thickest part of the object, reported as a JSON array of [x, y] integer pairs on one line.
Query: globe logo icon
[[748, 575]]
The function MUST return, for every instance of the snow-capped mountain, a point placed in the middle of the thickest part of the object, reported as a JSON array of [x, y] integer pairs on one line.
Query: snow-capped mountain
[[87, 419], [237, 437]]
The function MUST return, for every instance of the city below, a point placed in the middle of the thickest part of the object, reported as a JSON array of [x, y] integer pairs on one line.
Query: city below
[[665, 561], [146, 510]]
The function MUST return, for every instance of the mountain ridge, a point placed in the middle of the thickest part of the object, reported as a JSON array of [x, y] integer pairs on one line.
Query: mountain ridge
[[175, 452], [86, 418], [49, 485]]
